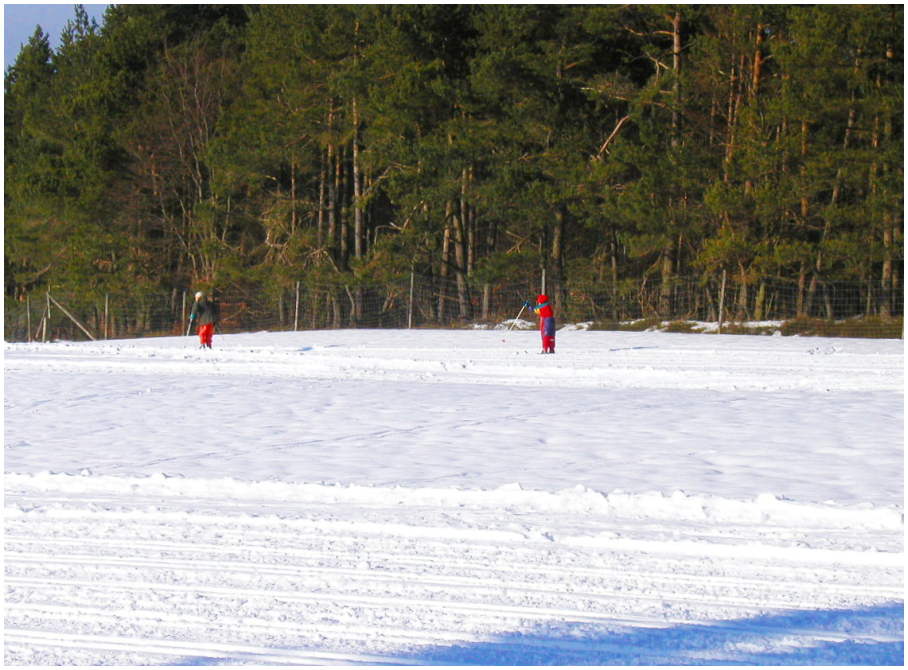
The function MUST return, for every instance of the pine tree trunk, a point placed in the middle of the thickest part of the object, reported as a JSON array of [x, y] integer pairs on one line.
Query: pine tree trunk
[[443, 273], [758, 62], [676, 86], [887, 274], [293, 196], [811, 293], [558, 244], [558, 257], [460, 262], [331, 181], [668, 274], [358, 239], [743, 297], [761, 301], [886, 277], [713, 117], [783, 132], [467, 212], [322, 197], [730, 113], [668, 253], [805, 200], [846, 144], [343, 191], [735, 97]]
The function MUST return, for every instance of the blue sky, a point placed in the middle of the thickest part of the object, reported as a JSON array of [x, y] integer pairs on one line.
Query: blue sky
[[19, 23]]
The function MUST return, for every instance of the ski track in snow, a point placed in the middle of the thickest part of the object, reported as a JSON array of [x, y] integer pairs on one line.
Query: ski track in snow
[[131, 540]]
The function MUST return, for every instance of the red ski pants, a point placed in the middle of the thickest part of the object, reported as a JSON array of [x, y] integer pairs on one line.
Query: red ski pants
[[206, 333], [547, 329]]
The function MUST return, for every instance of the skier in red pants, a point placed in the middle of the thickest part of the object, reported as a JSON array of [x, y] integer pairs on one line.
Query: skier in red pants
[[546, 322], [205, 314]]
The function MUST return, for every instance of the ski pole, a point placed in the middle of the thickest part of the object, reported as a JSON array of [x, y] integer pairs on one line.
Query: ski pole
[[514, 322], [189, 327], [218, 327]]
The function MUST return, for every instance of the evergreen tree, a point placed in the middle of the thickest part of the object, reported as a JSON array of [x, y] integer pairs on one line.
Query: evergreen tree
[[602, 146], [28, 248]]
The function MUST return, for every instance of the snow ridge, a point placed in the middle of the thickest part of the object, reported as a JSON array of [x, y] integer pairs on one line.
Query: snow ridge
[[766, 509]]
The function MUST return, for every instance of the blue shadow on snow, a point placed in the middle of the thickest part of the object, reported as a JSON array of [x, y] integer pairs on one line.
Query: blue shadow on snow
[[768, 640]]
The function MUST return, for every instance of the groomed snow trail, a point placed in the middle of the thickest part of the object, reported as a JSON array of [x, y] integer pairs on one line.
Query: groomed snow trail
[[119, 562], [423, 579]]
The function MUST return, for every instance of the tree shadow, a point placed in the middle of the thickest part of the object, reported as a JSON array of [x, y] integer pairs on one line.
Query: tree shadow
[[867, 636], [864, 636]]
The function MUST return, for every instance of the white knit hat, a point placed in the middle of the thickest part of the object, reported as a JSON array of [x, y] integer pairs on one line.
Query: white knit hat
[[199, 295]]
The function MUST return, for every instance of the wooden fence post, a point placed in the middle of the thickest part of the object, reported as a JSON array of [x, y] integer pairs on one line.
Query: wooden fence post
[[722, 302], [46, 316], [410, 303]]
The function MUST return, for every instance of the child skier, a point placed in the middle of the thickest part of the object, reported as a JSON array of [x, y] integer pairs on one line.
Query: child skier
[[546, 322], [207, 314]]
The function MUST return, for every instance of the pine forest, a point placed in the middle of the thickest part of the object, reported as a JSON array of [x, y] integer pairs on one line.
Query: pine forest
[[605, 153]]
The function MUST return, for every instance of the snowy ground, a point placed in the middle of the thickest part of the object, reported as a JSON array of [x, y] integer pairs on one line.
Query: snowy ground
[[444, 497]]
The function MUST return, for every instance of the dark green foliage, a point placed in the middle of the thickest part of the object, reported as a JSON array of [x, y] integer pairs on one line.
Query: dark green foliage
[[876, 327], [606, 146]]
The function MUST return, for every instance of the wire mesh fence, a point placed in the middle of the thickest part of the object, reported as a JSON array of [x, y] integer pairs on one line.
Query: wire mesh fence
[[866, 309]]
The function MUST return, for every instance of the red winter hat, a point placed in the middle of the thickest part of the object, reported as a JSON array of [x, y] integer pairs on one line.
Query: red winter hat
[[542, 299]]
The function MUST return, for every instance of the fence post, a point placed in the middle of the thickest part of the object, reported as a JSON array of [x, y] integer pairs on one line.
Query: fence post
[[40, 324], [46, 315], [722, 302], [410, 304], [296, 310]]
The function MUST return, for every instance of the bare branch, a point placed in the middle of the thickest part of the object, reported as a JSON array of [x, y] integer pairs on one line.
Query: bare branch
[[604, 147]]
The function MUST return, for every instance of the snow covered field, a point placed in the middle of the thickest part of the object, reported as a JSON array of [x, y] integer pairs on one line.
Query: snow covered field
[[443, 497]]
